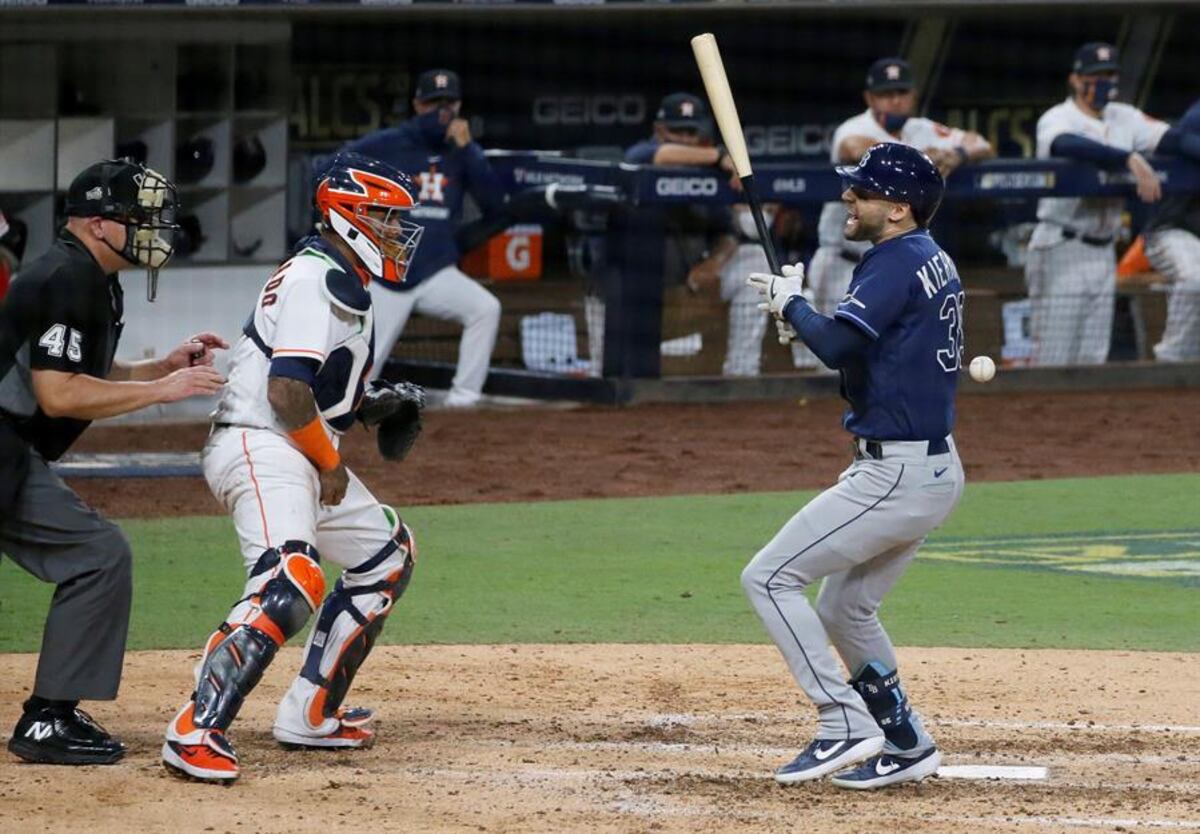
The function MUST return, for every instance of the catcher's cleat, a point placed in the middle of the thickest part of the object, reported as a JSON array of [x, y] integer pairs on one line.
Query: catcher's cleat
[[344, 736], [355, 716], [199, 752], [211, 759]]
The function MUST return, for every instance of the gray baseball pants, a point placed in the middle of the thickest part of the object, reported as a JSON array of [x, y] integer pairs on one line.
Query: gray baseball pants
[[859, 536], [53, 535]]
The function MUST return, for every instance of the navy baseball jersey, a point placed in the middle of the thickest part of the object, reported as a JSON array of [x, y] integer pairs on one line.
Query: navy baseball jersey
[[907, 298], [446, 174]]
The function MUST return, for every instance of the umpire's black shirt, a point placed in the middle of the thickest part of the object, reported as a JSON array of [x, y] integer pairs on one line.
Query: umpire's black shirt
[[62, 313]]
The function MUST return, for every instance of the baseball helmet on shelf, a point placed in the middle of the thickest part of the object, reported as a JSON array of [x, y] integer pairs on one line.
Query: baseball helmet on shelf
[[366, 203], [194, 158], [249, 158], [900, 173]]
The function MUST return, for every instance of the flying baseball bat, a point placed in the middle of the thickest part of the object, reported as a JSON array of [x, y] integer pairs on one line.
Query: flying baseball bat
[[720, 97]]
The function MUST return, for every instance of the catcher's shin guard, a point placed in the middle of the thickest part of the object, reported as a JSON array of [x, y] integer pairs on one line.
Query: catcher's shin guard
[[284, 588], [347, 626], [887, 703]]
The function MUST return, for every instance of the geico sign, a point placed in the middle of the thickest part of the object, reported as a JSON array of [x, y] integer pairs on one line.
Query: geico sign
[[517, 253], [686, 187], [589, 110]]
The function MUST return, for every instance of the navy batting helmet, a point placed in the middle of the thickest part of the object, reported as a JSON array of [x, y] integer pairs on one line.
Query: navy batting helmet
[[900, 173]]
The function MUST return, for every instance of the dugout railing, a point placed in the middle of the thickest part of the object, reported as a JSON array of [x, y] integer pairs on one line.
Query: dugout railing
[[603, 331]]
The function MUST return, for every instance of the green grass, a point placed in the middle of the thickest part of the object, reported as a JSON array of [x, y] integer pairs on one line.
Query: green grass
[[666, 570]]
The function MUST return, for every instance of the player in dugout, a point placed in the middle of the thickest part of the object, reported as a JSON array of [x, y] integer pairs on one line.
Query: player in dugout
[[435, 147]]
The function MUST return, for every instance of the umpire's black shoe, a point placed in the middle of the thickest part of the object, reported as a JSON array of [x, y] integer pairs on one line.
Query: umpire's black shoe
[[63, 734]]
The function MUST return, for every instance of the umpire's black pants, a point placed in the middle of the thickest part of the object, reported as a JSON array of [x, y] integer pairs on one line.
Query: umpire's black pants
[[51, 533]]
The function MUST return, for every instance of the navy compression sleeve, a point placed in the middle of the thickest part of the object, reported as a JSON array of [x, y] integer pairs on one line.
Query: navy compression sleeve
[[834, 341], [1180, 143], [1074, 146]]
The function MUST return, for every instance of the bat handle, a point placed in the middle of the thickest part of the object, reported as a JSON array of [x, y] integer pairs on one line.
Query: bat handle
[[764, 234]]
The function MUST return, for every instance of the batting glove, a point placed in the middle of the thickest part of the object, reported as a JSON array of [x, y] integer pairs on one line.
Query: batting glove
[[778, 290]]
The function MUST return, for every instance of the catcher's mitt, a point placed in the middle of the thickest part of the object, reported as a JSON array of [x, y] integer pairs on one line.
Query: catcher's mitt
[[396, 410]]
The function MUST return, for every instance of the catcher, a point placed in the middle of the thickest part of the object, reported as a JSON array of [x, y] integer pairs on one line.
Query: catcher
[[295, 385]]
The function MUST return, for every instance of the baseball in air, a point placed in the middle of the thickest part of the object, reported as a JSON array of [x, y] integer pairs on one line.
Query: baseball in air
[[982, 369]]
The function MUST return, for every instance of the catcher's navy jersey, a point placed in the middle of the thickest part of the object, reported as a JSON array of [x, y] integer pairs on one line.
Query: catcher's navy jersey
[[907, 297], [446, 174]]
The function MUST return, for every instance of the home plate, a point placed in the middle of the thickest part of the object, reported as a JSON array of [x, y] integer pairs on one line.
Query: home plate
[[1022, 774]]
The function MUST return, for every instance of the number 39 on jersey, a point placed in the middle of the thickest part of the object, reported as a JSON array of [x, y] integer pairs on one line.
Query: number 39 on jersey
[[951, 356]]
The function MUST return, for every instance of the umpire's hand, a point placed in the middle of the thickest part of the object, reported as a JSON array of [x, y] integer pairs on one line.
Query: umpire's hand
[[195, 351], [200, 381]]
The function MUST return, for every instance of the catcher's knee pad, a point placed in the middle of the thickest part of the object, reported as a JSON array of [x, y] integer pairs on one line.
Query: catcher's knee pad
[[349, 622], [286, 585], [887, 703]]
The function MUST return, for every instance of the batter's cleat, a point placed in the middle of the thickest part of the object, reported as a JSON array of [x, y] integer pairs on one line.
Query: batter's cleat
[[886, 769], [62, 734], [347, 735], [824, 756], [210, 759]]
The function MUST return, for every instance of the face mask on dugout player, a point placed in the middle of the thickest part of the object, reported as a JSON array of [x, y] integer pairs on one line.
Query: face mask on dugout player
[[150, 225], [383, 239]]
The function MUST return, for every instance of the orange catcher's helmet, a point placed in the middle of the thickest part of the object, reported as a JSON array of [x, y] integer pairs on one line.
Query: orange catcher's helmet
[[366, 203]]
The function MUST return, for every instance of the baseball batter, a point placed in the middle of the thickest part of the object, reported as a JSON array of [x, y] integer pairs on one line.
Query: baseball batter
[[436, 149], [896, 339], [1173, 248], [296, 377], [1071, 268], [891, 98]]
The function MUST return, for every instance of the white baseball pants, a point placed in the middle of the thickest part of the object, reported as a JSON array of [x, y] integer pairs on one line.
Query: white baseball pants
[[447, 294], [273, 494], [747, 323], [1072, 286], [1176, 254]]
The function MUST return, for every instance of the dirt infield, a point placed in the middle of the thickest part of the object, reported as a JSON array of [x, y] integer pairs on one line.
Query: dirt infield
[[643, 738], [630, 738], [538, 454]]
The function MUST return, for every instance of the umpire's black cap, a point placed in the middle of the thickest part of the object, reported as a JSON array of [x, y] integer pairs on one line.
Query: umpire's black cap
[[1096, 57], [104, 189], [682, 110], [438, 83], [889, 74]]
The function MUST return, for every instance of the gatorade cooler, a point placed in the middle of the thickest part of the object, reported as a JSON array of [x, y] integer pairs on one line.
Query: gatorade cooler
[[513, 255]]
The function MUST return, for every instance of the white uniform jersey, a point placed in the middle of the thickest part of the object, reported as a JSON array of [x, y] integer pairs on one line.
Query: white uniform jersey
[[917, 132], [312, 322], [1121, 126]]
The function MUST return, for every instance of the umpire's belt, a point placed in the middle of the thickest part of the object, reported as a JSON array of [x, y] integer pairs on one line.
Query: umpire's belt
[[1090, 240], [878, 449]]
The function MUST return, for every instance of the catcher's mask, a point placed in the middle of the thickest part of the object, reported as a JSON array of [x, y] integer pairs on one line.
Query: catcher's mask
[[366, 203], [141, 199]]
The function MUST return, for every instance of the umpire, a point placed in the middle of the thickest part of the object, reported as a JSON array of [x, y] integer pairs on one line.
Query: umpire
[[59, 327]]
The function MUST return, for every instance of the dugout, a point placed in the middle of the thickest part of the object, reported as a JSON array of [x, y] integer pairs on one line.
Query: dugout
[[235, 98]]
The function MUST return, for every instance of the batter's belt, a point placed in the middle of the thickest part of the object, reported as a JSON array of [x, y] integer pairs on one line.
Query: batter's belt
[[878, 449]]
